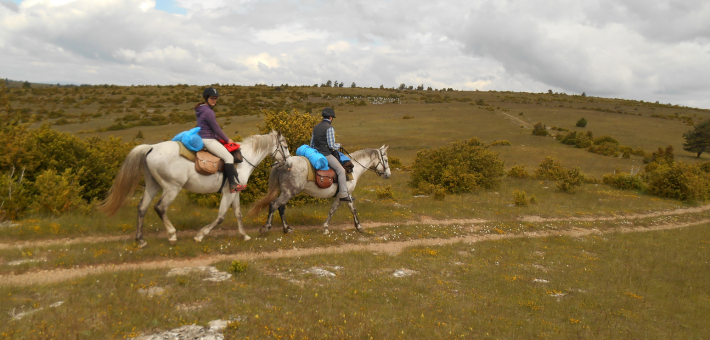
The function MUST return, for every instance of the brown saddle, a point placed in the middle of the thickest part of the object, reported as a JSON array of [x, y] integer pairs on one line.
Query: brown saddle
[[325, 178], [205, 162]]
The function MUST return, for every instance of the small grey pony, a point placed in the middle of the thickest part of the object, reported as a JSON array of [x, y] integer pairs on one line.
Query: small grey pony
[[292, 179]]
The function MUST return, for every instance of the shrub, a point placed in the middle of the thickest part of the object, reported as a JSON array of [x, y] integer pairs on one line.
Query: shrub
[[581, 140], [533, 200], [679, 181], [660, 156], [500, 143], [570, 181], [58, 193], [385, 193], [550, 169], [540, 129], [407, 117], [581, 123], [238, 267], [519, 199], [463, 166], [518, 171], [605, 149], [626, 181], [439, 193], [395, 162], [605, 139]]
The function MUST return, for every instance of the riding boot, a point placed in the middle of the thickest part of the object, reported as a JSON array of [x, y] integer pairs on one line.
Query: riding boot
[[231, 173]]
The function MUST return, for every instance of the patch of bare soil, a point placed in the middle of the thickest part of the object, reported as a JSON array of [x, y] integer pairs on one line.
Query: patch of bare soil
[[682, 211], [393, 248]]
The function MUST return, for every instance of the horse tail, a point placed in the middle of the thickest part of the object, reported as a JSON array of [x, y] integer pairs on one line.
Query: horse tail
[[270, 195], [126, 180]]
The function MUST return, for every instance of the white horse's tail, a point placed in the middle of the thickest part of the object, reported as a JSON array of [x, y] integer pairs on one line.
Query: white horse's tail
[[126, 180], [270, 195]]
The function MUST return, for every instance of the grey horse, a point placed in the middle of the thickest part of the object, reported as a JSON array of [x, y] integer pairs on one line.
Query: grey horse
[[292, 180], [163, 168]]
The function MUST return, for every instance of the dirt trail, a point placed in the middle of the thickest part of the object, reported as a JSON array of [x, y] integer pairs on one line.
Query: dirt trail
[[424, 220], [58, 275]]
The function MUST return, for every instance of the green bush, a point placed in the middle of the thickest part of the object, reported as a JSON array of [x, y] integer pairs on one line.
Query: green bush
[[605, 149], [385, 193], [500, 143], [533, 200], [570, 181], [395, 162], [539, 129], [238, 267], [463, 166], [519, 199], [626, 181], [605, 139], [581, 123], [550, 169], [58, 193], [29, 153], [518, 171], [581, 140], [680, 181], [660, 156]]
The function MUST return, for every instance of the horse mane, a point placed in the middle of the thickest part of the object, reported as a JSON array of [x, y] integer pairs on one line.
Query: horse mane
[[365, 152], [260, 143]]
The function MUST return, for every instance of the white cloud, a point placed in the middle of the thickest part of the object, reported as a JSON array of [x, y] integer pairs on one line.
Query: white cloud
[[656, 50]]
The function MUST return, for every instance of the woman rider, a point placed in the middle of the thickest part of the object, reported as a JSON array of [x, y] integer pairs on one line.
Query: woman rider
[[211, 134]]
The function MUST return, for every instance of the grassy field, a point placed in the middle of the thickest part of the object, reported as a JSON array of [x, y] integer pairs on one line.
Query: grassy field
[[598, 284], [651, 285]]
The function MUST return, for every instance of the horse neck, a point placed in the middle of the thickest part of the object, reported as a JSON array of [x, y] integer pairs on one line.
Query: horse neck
[[255, 157], [365, 158]]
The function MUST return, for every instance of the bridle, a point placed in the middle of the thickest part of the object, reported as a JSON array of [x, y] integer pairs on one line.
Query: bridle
[[382, 160]]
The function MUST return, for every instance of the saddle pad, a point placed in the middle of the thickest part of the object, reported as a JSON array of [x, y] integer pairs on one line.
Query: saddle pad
[[185, 152]]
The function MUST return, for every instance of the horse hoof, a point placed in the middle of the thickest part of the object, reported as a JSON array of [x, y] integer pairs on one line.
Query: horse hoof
[[198, 239], [288, 230], [142, 244], [247, 238], [326, 231], [359, 229]]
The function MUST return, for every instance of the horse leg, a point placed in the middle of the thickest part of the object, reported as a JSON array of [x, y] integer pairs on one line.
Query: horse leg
[[282, 213], [238, 214], [162, 209], [333, 208], [356, 219], [151, 189], [227, 199], [276, 205]]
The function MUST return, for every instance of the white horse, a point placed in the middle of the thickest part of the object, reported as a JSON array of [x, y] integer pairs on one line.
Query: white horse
[[164, 168], [292, 180]]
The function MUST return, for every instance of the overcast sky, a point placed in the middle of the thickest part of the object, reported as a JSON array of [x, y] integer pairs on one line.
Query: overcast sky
[[636, 49]]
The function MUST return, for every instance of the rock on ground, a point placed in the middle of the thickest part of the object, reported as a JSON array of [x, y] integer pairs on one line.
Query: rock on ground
[[189, 332]]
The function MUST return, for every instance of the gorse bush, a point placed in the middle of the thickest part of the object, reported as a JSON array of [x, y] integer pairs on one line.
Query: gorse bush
[[519, 198], [518, 171], [680, 181], [550, 169], [30, 153], [581, 140], [462, 166], [500, 143], [581, 123], [540, 129], [58, 193], [385, 193], [570, 181], [623, 180]]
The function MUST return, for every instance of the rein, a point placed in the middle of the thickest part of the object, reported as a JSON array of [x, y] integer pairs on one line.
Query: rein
[[382, 161]]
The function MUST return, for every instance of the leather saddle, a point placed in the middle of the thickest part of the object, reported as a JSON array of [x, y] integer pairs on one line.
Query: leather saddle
[[205, 162], [325, 178]]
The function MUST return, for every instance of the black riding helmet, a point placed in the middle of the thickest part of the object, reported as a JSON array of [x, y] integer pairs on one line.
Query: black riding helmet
[[328, 112], [209, 92]]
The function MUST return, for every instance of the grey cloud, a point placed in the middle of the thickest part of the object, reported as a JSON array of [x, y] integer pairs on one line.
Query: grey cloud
[[10, 5]]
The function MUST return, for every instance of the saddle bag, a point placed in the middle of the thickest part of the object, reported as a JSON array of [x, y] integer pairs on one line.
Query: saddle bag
[[207, 163], [325, 178]]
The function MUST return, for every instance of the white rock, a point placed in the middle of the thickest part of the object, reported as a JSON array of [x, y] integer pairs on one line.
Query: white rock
[[319, 272], [218, 325], [404, 272], [151, 291]]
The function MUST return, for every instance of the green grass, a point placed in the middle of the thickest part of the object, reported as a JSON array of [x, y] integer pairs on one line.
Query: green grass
[[650, 285]]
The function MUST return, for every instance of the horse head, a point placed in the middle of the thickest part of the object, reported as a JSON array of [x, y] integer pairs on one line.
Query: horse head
[[383, 166], [281, 153]]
